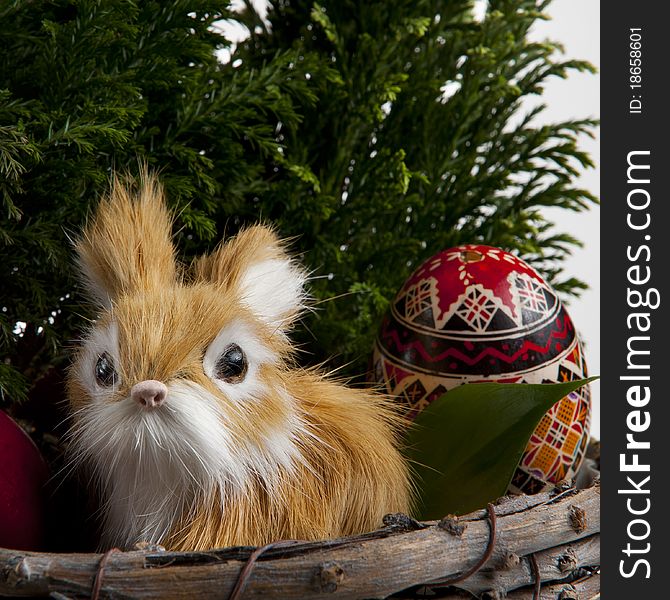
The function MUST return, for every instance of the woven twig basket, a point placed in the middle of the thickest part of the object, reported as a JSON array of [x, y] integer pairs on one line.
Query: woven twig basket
[[523, 547], [551, 539]]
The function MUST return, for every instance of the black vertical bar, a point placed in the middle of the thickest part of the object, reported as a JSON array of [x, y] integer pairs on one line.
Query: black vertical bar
[[635, 238]]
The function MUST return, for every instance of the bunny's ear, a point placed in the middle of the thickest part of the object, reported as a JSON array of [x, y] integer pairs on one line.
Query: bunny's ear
[[256, 264], [127, 246]]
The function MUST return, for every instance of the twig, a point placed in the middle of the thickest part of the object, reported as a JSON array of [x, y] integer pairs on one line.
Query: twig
[[512, 571], [245, 573], [536, 575], [375, 564], [585, 589], [485, 557], [97, 582]]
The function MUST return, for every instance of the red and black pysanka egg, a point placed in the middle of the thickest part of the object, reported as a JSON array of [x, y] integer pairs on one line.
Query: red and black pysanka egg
[[476, 313]]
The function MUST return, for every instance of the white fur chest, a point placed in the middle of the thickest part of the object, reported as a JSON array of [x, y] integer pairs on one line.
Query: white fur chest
[[153, 467]]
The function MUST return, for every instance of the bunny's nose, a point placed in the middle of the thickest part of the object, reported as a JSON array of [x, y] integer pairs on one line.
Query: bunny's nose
[[150, 393]]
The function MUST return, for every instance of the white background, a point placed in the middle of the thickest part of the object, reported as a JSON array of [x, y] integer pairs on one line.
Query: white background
[[576, 24]]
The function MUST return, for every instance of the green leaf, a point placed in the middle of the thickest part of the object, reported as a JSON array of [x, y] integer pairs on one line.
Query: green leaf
[[466, 445]]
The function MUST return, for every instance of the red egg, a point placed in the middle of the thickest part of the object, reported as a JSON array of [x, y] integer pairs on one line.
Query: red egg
[[476, 313], [23, 474]]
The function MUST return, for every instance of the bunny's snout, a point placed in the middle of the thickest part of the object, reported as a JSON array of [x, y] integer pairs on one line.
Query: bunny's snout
[[149, 394]]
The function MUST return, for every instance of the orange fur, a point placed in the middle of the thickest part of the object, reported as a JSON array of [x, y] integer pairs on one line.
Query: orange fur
[[349, 471], [352, 479], [126, 248]]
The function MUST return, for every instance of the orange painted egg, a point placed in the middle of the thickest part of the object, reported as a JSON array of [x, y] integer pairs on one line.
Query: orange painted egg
[[476, 313]]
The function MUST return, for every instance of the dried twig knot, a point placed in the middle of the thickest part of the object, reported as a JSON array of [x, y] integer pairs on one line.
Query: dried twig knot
[[17, 572], [402, 522], [510, 560], [568, 593], [567, 562], [577, 518], [331, 575], [451, 525]]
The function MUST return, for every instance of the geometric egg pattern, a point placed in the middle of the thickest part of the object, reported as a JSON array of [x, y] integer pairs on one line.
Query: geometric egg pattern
[[476, 313]]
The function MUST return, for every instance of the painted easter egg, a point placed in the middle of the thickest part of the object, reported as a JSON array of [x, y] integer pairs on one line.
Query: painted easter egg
[[476, 313], [23, 474]]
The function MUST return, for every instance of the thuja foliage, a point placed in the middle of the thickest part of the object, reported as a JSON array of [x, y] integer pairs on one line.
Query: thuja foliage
[[373, 133]]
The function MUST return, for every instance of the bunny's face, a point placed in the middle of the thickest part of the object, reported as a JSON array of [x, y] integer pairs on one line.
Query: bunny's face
[[178, 392]]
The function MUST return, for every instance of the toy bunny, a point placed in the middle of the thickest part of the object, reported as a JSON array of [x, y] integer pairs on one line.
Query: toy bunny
[[188, 408]]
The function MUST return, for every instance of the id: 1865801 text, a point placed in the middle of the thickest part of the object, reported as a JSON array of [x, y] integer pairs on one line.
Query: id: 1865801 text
[[635, 70]]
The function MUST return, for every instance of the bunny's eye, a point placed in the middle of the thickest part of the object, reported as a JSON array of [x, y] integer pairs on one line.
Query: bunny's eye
[[232, 365], [105, 374]]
